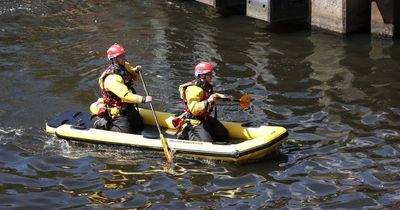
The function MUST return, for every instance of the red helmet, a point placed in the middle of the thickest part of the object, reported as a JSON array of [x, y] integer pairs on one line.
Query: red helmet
[[203, 68], [114, 51]]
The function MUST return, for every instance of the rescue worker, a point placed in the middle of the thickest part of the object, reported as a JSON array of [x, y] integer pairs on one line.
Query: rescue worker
[[117, 110], [196, 123]]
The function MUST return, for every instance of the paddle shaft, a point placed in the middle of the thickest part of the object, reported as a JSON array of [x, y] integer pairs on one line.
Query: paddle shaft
[[151, 104], [164, 141], [234, 100], [244, 101]]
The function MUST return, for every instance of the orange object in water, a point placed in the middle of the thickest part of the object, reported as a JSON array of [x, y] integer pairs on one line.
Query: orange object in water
[[245, 101]]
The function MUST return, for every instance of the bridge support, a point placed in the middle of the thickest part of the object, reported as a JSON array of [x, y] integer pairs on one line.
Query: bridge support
[[379, 17], [341, 16], [385, 18]]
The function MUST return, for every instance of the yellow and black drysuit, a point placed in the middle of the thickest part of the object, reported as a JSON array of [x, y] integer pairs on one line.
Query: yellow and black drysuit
[[196, 123], [116, 109]]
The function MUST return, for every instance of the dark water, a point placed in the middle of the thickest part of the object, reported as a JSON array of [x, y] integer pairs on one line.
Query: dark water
[[339, 99]]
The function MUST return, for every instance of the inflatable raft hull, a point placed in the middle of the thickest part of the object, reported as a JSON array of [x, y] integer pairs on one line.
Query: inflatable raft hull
[[249, 144]]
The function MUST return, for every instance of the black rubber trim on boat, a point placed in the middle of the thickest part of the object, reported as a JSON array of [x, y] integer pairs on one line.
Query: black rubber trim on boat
[[231, 154], [250, 124], [150, 137], [264, 146], [236, 153], [80, 127]]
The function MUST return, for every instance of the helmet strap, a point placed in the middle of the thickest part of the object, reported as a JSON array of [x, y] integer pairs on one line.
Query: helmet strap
[[115, 61], [201, 76], [199, 82]]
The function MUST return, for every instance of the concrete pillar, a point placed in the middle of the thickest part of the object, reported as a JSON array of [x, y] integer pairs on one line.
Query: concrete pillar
[[385, 18], [340, 16], [274, 11], [223, 3]]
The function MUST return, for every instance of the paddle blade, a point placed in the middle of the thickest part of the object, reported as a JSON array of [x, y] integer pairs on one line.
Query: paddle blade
[[166, 149], [245, 101]]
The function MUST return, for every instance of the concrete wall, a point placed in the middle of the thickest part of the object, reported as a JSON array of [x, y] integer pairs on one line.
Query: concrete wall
[[340, 16], [259, 9], [209, 2], [329, 15], [378, 17], [385, 18]]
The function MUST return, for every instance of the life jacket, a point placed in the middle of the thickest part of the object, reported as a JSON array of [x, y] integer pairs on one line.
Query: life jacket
[[187, 116], [110, 98], [207, 90]]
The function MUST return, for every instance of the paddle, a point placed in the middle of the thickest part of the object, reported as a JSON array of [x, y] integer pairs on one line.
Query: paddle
[[166, 149], [244, 101]]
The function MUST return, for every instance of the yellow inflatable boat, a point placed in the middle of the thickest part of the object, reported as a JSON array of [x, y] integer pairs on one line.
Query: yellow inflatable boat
[[248, 143]]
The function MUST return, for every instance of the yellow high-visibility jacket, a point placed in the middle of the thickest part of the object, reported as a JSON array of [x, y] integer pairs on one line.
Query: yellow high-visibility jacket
[[115, 84], [196, 100]]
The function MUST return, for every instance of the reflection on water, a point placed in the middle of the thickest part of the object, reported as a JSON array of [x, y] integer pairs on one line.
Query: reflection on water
[[337, 97]]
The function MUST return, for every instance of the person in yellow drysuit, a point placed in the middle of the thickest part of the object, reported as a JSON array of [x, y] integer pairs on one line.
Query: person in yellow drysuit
[[196, 123], [117, 109]]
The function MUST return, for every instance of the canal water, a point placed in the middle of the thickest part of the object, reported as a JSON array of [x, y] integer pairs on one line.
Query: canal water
[[338, 98]]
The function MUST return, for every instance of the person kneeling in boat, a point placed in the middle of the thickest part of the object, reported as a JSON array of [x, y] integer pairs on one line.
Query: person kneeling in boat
[[117, 110], [196, 123]]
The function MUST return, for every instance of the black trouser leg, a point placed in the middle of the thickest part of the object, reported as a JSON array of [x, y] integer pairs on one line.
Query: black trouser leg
[[209, 130], [121, 124], [199, 133], [129, 121], [100, 123], [136, 121], [218, 130]]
